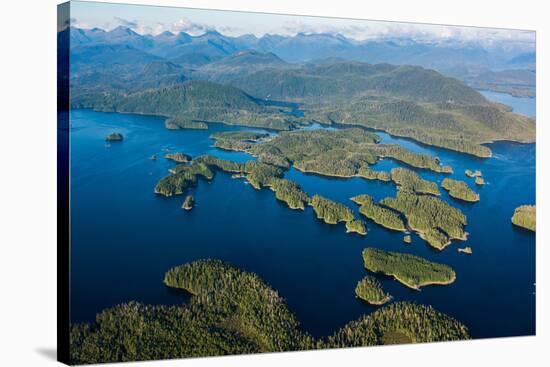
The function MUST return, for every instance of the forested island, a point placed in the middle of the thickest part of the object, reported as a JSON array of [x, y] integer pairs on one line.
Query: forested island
[[356, 226], [412, 271], [235, 312], [330, 211], [370, 290], [340, 153], [178, 157], [436, 221], [379, 214], [184, 177], [408, 180], [260, 175], [393, 324], [459, 190], [525, 216]]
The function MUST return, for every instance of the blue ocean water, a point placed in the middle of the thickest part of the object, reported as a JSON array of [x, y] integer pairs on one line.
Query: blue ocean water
[[526, 106], [124, 237]]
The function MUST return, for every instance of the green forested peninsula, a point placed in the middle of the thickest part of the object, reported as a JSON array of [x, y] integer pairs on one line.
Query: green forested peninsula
[[231, 312], [188, 103], [178, 157], [356, 226], [176, 123], [235, 312], [289, 192], [341, 153], [237, 140], [262, 175], [399, 323], [412, 271], [408, 180], [330, 211], [371, 174], [370, 290], [402, 100], [436, 221], [525, 216], [184, 176], [459, 190], [379, 214]]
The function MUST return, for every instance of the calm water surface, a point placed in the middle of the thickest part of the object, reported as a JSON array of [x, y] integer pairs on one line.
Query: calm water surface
[[523, 105], [124, 237]]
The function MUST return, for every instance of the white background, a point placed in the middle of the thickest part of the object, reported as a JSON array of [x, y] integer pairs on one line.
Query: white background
[[28, 182]]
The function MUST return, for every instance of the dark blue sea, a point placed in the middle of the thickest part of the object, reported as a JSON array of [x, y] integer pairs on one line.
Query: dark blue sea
[[124, 237]]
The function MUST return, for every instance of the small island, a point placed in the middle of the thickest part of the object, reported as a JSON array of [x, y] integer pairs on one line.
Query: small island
[[112, 137], [178, 157], [466, 250], [471, 173], [460, 190], [188, 203], [407, 239], [380, 215], [370, 290], [410, 270], [356, 226], [153, 157], [480, 181], [525, 216]]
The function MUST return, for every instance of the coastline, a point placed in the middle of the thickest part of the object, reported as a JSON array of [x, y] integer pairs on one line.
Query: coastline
[[333, 125], [420, 285]]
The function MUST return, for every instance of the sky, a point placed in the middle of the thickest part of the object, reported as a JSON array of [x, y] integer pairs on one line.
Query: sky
[[157, 19]]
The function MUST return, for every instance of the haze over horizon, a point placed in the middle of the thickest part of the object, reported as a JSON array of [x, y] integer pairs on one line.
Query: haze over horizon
[[154, 20]]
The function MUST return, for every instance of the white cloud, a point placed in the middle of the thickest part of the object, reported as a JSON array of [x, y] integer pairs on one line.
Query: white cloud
[[356, 29], [369, 30]]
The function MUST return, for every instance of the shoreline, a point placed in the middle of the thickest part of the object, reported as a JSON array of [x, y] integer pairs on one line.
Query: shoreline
[[420, 285], [333, 125], [377, 303]]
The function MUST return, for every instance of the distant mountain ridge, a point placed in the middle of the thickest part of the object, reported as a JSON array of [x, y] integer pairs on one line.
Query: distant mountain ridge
[[307, 47]]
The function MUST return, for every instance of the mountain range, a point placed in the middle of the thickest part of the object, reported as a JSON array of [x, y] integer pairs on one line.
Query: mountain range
[[304, 47], [252, 81]]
